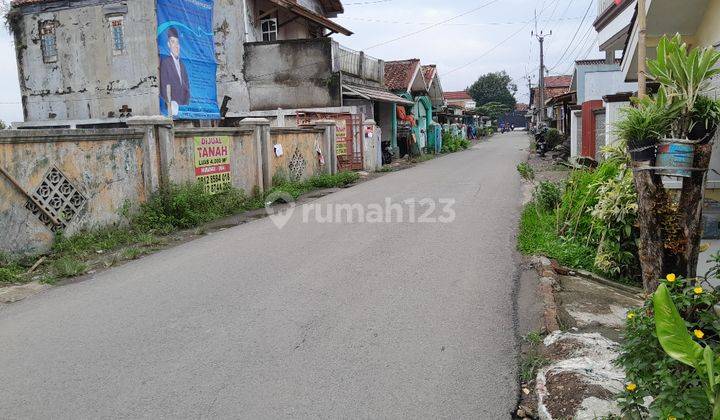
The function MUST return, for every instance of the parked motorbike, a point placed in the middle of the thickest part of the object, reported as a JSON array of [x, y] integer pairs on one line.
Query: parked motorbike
[[541, 141]]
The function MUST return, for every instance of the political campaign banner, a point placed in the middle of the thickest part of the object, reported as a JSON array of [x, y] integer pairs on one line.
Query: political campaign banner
[[212, 163], [188, 85]]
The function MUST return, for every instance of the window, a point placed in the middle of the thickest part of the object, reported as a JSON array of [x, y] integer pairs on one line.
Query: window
[[269, 29], [48, 42], [117, 35]]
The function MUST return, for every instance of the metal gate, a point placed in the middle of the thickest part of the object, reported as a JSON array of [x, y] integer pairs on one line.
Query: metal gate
[[348, 137]]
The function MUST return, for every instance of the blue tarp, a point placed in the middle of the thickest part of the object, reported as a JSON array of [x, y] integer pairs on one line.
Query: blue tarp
[[187, 59]]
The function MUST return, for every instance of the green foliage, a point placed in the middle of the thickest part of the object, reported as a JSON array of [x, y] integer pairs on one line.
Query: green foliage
[[674, 383], [526, 171], [11, 271], [538, 235], [186, 206], [684, 74], [534, 338], [494, 87], [530, 365], [644, 124], [547, 196], [494, 110], [614, 219], [589, 224], [69, 267], [8, 275], [554, 138], [452, 144], [706, 113]]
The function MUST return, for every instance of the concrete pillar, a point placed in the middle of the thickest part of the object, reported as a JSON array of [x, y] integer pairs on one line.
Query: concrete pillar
[[371, 146], [157, 149], [612, 116], [263, 150], [575, 139], [329, 144]]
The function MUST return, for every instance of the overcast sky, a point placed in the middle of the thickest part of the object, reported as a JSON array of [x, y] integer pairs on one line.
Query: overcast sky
[[465, 38]]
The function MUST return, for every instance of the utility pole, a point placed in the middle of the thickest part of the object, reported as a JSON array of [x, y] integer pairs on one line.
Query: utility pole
[[541, 82], [642, 31]]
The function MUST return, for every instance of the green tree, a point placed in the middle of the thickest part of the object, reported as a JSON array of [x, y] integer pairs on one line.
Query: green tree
[[494, 87], [494, 110]]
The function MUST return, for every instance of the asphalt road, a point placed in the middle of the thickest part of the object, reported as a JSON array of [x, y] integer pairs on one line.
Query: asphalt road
[[320, 320]]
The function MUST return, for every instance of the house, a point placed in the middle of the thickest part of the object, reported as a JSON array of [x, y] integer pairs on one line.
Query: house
[[697, 22], [407, 79], [601, 92], [461, 99], [554, 86], [94, 63]]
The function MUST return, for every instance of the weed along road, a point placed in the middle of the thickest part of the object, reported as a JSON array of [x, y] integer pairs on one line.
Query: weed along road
[[345, 311]]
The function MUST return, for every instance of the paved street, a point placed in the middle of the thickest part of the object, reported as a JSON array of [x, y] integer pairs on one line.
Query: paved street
[[397, 320]]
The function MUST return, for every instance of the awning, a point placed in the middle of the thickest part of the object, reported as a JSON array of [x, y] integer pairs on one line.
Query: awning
[[312, 16], [374, 94], [565, 98]]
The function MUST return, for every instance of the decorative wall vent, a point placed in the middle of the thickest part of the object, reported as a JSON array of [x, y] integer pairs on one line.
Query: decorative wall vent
[[59, 197], [297, 165]]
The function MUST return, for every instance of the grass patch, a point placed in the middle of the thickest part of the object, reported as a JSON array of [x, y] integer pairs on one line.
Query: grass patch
[[386, 169], [534, 338], [538, 235], [530, 365], [69, 267]]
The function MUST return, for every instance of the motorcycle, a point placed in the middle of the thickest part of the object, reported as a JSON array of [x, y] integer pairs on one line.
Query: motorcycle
[[541, 142]]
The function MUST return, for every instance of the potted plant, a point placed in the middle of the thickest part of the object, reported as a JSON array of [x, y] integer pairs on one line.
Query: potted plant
[[683, 76], [644, 125]]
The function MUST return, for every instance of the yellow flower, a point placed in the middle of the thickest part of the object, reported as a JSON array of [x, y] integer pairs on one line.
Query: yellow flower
[[704, 247], [631, 387], [671, 277], [699, 334], [672, 418], [698, 290], [631, 315]]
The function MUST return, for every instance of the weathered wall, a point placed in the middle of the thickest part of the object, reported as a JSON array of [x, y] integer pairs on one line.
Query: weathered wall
[[88, 81], [299, 144], [105, 166], [245, 158], [297, 72]]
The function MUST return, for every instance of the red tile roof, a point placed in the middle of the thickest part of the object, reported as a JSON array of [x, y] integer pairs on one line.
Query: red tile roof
[[558, 81], [457, 96], [399, 74], [428, 73], [521, 107]]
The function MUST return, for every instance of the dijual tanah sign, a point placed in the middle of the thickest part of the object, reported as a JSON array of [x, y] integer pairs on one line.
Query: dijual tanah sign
[[212, 163], [188, 86]]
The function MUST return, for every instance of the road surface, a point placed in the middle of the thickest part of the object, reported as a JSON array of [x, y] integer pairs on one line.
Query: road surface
[[320, 320]]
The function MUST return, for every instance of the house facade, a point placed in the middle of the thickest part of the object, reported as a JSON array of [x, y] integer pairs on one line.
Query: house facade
[[266, 54], [460, 99], [697, 22]]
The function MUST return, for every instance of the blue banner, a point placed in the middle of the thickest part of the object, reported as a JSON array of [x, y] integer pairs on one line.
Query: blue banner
[[188, 89]]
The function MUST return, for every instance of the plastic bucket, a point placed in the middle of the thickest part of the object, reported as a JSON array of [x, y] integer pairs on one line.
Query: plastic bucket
[[675, 158]]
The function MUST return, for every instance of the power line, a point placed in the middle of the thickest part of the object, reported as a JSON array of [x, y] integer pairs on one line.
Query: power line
[[433, 25], [579, 46], [374, 20], [576, 33], [488, 51]]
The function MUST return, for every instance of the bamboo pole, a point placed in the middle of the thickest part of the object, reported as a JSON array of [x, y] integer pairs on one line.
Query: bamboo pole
[[642, 51]]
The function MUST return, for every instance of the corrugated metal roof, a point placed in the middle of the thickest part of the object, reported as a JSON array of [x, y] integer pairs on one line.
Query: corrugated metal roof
[[376, 94]]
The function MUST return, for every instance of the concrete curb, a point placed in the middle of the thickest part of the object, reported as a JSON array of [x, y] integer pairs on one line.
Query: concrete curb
[[605, 282], [546, 290]]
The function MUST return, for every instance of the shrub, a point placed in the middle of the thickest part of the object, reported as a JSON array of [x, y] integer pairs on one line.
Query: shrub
[[538, 235], [526, 171], [186, 206], [676, 389], [554, 138], [69, 267], [547, 196]]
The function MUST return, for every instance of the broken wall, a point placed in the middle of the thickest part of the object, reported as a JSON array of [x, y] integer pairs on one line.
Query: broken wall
[[297, 72], [88, 80]]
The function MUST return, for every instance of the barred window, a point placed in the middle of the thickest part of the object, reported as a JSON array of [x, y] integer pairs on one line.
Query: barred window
[[269, 29], [48, 41], [117, 35]]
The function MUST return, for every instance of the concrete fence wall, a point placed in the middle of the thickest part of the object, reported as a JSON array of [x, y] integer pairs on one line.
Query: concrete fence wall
[[78, 180]]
